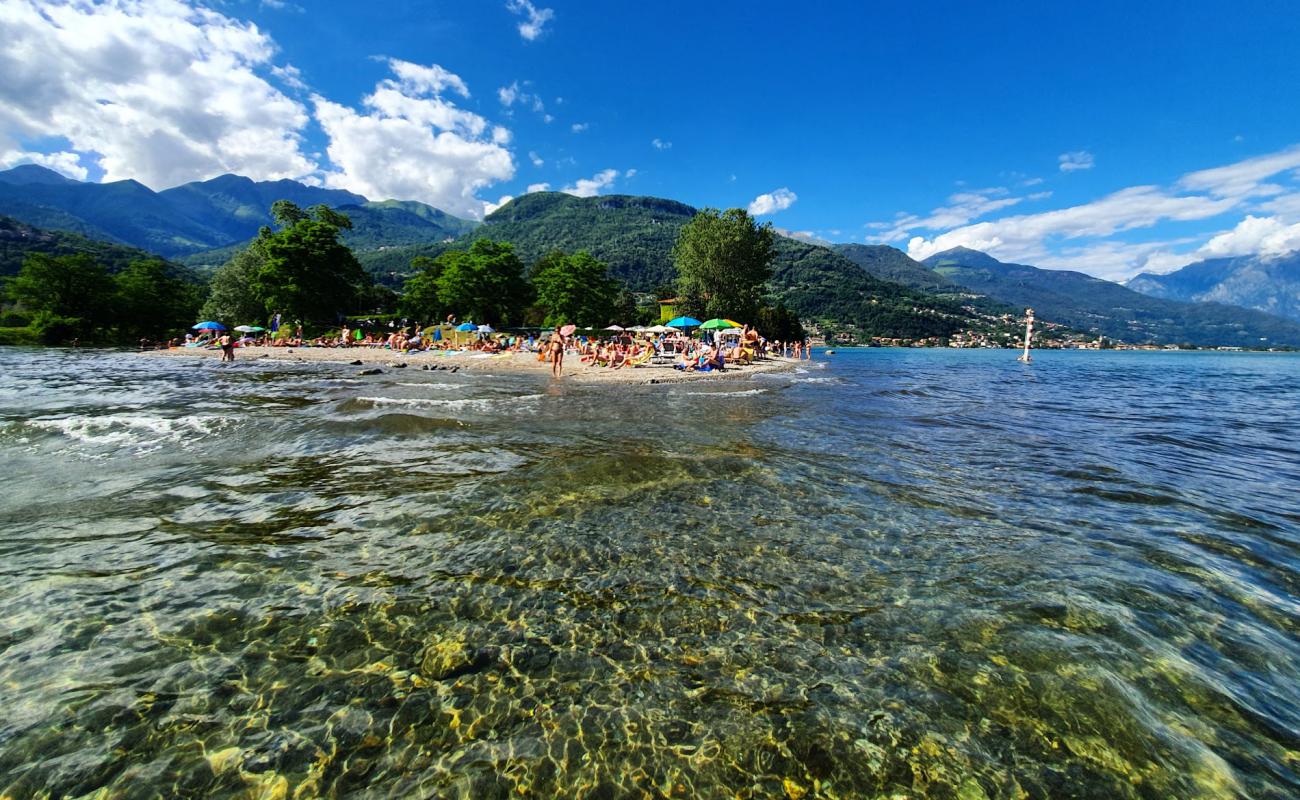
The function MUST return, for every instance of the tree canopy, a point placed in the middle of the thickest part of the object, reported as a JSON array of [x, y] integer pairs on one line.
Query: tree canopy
[[307, 272], [575, 288], [723, 259], [484, 283], [74, 296]]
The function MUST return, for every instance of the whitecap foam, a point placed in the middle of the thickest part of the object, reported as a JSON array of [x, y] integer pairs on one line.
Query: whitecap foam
[[468, 403], [440, 386], [144, 431], [741, 393]]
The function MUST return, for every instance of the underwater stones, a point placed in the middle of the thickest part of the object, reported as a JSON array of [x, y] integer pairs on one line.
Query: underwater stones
[[224, 760], [350, 726], [356, 363], [371, 371], [444, 659], [396, 364]]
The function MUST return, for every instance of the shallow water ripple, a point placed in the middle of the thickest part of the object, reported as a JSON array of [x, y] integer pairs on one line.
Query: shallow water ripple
[[896, 573]]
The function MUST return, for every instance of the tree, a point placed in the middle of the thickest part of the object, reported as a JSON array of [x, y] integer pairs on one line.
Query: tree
[[484, 283], [723, 259], [153, 301], [232, 295], [575, 289], [307, 272], [70, 296], [778, 323], [420, 292]]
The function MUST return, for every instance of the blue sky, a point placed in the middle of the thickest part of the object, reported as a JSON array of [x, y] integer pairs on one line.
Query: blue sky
[[1065, 136]]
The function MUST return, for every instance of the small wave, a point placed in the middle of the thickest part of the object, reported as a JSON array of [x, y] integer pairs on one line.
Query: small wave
[[440, 386], [470, 403], [740, 393], [120, 430]]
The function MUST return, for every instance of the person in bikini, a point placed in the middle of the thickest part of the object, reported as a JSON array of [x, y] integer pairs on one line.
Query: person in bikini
[[556, 347]]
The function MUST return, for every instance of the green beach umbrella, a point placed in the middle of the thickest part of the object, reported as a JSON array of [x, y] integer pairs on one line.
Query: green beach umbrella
[[718, 325]]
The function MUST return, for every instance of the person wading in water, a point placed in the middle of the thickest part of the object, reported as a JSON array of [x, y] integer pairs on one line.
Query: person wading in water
[[556, 346], [227, 347]]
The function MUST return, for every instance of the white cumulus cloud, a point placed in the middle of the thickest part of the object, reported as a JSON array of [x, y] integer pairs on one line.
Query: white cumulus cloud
[[534, 19], [1077, 160], [65, 163], [772, 202], [411, 143], [537, 187], [536, 159], [1267, 236], [579, 127], [660, 144], [155, 90], [590, 187]]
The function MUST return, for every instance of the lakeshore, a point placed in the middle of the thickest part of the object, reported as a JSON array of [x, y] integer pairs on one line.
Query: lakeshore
[[509, 363]]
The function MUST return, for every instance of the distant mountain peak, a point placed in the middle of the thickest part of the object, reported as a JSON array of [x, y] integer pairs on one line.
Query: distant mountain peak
[[24, 174], [964, 256]]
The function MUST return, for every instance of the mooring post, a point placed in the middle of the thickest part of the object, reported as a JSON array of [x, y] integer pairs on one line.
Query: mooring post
[[1029, 332]]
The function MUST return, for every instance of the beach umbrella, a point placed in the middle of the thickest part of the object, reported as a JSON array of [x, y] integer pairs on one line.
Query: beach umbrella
[[683, 322], [209, 326], [485, 329], [568, 330], [615, 328], [249, 328], [466, 326], [659, 329], [717, 325]]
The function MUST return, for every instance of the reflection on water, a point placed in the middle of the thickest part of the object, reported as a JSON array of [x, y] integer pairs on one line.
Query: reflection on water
[[898, 574]]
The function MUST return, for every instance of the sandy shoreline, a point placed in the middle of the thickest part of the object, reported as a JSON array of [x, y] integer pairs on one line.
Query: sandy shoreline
[[511, 363]]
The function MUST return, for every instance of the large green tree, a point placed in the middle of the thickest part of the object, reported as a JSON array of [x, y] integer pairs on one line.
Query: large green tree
[[575, 288], [307, 272], [723, 259], [420, 292], [153, 301], [69, 296], [484, 283], [232, 294]]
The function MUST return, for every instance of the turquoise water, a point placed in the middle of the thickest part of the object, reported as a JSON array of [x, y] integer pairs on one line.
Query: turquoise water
[[897, 573]]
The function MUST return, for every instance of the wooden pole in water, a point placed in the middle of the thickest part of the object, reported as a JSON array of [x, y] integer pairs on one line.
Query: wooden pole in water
[[1029, 332]]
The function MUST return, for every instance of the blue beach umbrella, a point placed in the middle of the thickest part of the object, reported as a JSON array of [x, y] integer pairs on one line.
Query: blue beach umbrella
[[209, 326], [467, 326], [684, 322]]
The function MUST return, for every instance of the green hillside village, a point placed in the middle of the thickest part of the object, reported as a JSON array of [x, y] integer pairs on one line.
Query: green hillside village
[[121, 264]]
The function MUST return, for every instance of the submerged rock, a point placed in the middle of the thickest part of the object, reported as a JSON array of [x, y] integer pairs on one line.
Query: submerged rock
[[372, 371], [444, 659]]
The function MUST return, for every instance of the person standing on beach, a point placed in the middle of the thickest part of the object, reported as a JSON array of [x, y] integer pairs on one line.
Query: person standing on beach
[[556, 346], [227, 343]]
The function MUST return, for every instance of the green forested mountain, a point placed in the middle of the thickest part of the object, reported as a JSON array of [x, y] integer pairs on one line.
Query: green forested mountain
[[123, 211], [208, 219], [18, 240], [1264, 283], [891, 264], [635, 236], [236, 207], [1101, 307]]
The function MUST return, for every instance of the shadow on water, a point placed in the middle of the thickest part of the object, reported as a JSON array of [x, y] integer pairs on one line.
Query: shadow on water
[[904, 574]]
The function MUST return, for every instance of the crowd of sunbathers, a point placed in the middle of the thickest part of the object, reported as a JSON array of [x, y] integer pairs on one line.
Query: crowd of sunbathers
[[622, 349]]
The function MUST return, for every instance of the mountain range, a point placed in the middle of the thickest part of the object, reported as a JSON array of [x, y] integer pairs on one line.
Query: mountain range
[[204, 215], [876, 288], [1264, 283], [1108, 309]]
